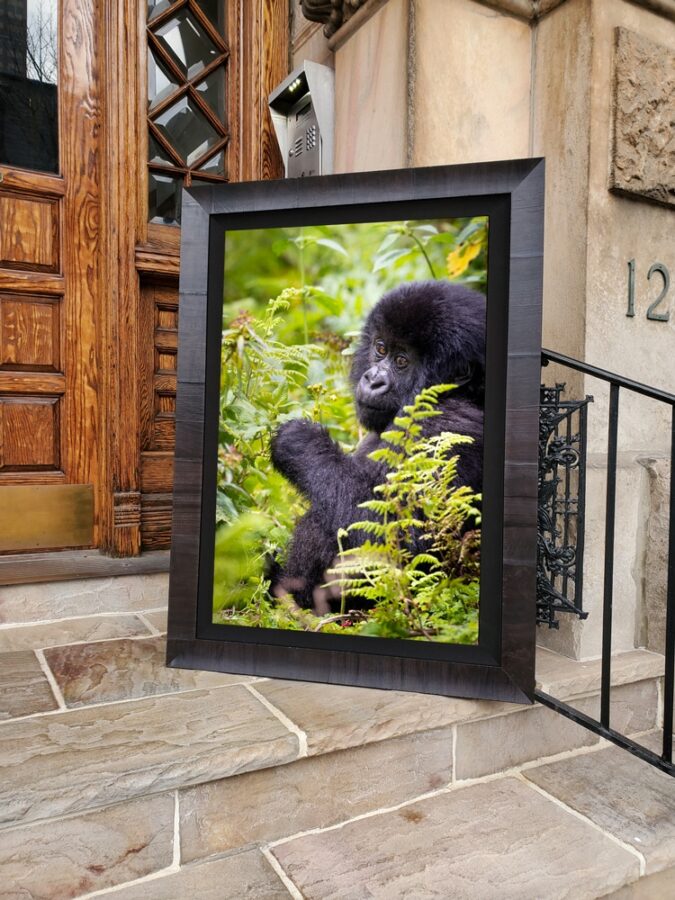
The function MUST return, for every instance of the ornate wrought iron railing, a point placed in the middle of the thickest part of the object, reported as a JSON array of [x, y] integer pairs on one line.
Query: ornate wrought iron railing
[[562, 500], [603, 726]]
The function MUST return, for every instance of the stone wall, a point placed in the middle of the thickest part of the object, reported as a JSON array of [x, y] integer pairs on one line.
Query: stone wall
[[590, 85]]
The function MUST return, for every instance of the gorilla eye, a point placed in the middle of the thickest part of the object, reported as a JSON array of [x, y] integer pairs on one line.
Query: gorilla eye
[[380, 349], [401, 361]]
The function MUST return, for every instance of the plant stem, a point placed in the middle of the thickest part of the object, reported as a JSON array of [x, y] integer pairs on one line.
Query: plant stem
[[424, 253], [343, 596], [302, 293]]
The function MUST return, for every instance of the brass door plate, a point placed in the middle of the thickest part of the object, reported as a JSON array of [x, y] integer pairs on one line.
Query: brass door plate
[[46, 516]]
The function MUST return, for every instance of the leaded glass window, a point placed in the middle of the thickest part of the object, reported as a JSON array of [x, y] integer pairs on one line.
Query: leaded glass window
[[187, 57]]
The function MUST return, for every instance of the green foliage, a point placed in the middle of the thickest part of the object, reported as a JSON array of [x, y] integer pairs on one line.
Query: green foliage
[[260, 378], [289, 357], [430, 593], [467, 261]]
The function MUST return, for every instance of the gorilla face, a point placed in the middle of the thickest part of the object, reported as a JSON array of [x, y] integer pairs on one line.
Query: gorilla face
[[420, 334], [388, 383]]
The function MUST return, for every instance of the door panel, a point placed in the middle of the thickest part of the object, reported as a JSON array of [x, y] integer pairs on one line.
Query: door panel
[[33, 395], [49, 289], [29, 433], [30, 333], [29, 238], [159, 335]]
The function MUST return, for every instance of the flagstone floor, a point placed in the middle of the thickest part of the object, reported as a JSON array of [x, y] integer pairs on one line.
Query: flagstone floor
[[121, 777]]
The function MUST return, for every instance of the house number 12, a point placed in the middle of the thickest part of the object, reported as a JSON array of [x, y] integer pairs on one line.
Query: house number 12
[[652, 313]]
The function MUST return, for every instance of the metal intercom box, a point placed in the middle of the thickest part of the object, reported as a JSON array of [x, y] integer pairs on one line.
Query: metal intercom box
[[302, 109]]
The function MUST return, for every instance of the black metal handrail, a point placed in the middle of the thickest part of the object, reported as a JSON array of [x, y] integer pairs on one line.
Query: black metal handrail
[[646, 390], [602, 726]]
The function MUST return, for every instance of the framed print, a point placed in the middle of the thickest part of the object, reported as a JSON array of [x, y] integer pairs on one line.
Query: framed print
[[355, 493]]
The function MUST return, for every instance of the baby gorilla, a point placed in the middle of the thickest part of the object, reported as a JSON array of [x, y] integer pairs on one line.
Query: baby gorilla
[[418, 335]]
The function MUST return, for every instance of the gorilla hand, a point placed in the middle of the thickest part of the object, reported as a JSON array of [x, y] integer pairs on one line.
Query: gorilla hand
[[306, 455]]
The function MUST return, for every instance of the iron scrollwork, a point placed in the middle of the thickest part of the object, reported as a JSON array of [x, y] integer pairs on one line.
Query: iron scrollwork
[[562, 487]]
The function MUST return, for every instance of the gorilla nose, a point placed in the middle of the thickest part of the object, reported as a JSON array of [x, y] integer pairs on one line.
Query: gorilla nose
[[378, 381]]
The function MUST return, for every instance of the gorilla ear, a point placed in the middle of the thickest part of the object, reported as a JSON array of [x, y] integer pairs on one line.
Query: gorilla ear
[[464, 376]]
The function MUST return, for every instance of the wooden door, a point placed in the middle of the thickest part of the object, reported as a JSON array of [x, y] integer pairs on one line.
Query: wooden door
[[49, 275], [248, 42], [99, 104]]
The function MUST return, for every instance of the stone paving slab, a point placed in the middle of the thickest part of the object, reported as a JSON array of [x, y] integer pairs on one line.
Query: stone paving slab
[[493, 745], [246, 876], [335, 716], [498, 839], [78, 759], [69, 631], [487, 746], [660, 886], [622, 794], [311, 793], [564, 677], [76, 855], [82, 597], [24, 688], [157, 618], [124, 669]]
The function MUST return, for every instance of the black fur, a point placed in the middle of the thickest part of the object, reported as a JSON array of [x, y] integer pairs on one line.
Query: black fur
[[438, 329]]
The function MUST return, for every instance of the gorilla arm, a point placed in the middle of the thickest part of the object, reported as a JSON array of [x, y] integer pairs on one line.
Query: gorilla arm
[[333, 481]]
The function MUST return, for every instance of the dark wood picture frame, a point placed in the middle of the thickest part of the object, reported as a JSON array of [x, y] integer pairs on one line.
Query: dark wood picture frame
[[501, 665]]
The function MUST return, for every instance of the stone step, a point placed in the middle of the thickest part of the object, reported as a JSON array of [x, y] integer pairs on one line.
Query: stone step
[[74, 760], [660, 886], [49, 601], [497, 839], [537, 832], [106, 756], [621, 795], [99, 722]]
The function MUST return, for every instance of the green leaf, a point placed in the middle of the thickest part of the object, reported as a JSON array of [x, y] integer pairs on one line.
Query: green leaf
[[391, 256], [468, 231], [389, 240], [443, 237], [425, 229], [425, 558], [332, 245]]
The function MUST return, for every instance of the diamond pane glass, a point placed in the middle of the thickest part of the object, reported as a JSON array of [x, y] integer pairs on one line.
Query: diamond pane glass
[[157, 153], [215, 10], [212, 89], [164, 194], [188, 130], [155, 7], [187, 43], [216, 165], [160, 83]]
